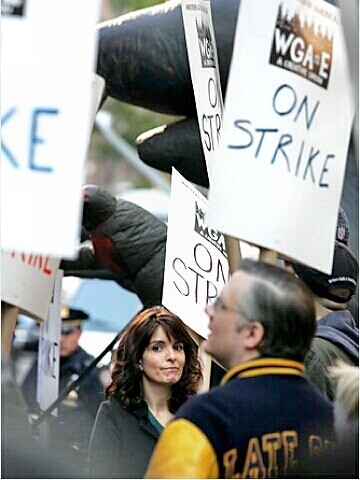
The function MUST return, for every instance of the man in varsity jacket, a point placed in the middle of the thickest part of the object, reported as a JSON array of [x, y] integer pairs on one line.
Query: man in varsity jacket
[[266, 419]]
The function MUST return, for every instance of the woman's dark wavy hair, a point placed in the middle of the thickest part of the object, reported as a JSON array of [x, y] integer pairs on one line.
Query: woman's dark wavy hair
[[126, 376]]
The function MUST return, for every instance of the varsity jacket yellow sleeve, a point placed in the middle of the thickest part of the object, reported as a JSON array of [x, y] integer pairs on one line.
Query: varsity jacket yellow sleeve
[[183, 451]]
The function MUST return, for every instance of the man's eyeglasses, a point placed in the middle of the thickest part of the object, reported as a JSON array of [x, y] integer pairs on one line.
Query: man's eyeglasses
[[220, 305]]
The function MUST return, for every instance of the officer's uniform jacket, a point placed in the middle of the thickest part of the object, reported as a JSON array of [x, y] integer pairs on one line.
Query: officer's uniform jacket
[[70, 430], [264, 420]]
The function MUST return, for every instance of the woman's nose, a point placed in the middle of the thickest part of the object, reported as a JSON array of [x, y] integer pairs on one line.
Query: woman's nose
[[171, 353]]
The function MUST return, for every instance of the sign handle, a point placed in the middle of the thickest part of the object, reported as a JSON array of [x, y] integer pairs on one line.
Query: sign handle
[[268, 256], [205, 360], [9, 315], [233, 251]]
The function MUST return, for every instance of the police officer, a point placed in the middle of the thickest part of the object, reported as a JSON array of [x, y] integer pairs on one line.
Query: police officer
[[70, 430]]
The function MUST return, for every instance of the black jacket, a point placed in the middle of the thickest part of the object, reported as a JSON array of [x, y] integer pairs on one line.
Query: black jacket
[[128, 245], [90, 391], [121, 442]]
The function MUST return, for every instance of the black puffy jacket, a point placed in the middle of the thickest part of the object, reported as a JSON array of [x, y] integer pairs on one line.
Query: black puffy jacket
[[128, 245]]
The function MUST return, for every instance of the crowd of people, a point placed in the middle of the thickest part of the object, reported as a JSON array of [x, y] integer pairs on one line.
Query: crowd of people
[[265, 419], [283, 398], [285, 407]]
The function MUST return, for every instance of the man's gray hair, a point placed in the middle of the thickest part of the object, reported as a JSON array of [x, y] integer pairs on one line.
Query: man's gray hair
[[285, 307]]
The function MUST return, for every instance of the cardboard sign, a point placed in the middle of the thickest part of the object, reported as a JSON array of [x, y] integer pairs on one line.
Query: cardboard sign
[[196, 266], [47, 388], [48, 58], [27, 282], [204, 68], [288, 112]]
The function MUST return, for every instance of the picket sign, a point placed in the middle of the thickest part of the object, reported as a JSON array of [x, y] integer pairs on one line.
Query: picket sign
[[46, 108], [47, 387], [284, 140], [205, 76], [196, 269], [97, 91], [28, 282]]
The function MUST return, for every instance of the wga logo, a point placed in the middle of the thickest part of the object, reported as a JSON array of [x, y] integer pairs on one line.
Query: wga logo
[[302, 47], [205, 45], [213, 236]]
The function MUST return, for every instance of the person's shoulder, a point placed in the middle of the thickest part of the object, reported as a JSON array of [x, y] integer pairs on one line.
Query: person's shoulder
[[324, 351], [112, 405], [110, 408], [85, 360], [319, 344], [337, 319], [202, 401], [209, 411], [319, 357], [111, 413], [84, 356]]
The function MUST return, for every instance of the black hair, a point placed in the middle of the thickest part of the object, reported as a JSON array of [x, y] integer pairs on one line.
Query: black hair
[[126, 376]]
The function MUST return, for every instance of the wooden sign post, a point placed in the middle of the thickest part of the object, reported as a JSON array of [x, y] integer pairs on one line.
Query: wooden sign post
[[268, 256], [9, 315], [233, 251]]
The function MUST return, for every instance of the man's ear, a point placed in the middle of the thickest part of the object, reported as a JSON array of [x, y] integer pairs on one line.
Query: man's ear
[[254, 335]]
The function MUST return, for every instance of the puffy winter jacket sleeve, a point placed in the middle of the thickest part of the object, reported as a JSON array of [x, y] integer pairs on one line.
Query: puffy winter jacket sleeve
[[138, 241], [86, 265]]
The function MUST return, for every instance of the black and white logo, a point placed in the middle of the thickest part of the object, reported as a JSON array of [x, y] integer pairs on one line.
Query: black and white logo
[[211, 235], [302, 47], [205, 44]]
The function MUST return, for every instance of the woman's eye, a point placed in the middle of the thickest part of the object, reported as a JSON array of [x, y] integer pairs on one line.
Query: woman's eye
[[156, 348], [179, 346]]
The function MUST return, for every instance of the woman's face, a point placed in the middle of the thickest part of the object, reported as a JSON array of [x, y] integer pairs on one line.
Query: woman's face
[[163, 359]]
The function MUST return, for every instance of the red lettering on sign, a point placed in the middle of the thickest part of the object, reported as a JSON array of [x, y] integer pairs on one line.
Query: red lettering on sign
[[37, 261]]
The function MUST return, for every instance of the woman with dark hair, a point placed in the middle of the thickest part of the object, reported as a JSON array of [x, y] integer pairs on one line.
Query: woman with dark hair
[[156, 368]]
